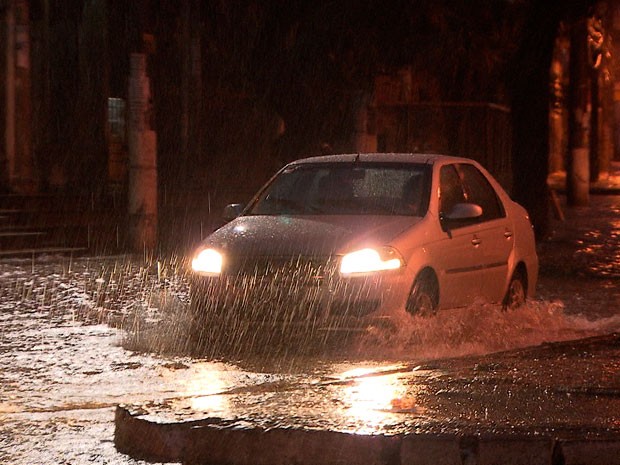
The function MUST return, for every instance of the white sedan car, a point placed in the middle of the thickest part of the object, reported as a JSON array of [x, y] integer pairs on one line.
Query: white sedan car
[[344, 240]]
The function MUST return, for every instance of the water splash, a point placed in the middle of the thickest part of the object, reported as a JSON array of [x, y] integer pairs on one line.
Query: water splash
[[476, 330], [482, 329], [150, 302]]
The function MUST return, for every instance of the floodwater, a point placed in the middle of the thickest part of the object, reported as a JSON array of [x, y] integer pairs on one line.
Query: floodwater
[[78, 337]]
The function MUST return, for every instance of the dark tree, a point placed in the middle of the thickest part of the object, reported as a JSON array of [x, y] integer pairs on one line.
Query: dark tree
[[530, 109]]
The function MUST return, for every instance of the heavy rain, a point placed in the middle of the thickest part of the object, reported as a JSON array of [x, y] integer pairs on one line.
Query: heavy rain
[[129, 126]]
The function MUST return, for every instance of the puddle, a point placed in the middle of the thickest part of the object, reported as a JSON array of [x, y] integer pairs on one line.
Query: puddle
[[79, 337]]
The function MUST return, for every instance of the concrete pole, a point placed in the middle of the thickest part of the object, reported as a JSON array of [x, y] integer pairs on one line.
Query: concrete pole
[[142, 141], [21, 174], [579, 108], [9, 134]]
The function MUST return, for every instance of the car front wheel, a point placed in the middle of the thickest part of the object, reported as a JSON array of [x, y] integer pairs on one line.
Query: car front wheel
[[516, 293], [424, 295]]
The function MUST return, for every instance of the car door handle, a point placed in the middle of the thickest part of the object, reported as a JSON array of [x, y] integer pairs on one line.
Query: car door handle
[[508, 234], [476, 241]]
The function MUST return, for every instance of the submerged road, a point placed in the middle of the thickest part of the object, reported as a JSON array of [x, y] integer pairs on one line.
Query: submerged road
[[477, 385], [549, 404], [94, 362], [564, 389]]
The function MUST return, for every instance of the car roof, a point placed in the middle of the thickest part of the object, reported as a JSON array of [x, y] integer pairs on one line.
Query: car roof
[[426, 158]]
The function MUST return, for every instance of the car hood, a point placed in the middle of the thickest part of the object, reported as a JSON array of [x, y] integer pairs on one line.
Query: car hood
[[306, 236]]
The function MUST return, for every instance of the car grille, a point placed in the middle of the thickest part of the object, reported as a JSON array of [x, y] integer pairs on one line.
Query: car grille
[[300, 271]]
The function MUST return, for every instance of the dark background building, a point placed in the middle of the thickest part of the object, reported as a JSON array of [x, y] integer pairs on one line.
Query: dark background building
[[230, 91]]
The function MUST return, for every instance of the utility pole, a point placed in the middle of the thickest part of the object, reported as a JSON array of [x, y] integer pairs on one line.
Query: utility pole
[[9, 87], [142, 159], [579, 108], [18, 95], [141, 136]]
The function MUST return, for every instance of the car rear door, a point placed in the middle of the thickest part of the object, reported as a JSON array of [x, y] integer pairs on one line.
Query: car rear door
[[495, 234]]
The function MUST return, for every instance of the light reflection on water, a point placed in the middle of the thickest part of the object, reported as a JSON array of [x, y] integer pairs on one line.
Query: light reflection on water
[[201, 383], [364, 397], [369, 400]]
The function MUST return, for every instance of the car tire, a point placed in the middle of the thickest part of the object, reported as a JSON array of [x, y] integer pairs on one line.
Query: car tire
[[516, 293], [423, 298]]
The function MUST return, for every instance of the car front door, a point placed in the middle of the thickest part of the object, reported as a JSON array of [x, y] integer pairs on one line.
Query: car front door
[[458, 255]]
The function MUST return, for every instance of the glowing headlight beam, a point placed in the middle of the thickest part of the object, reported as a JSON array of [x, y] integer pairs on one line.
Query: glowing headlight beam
[[208, 261], [368, 261]]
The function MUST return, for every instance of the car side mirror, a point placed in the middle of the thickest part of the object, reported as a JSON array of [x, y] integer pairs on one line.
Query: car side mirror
[[460, 215], [464, 211], [232, 211]]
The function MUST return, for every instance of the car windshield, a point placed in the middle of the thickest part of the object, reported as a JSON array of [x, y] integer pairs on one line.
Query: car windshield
[[346, 189]]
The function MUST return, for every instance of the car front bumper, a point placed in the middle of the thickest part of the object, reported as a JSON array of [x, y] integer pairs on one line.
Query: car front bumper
[[287, 299]]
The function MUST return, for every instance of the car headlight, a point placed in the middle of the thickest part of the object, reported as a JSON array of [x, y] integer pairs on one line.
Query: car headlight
[[370, 260], [208, 261]]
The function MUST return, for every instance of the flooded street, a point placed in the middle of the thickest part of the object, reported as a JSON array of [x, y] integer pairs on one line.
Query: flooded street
[[78, 337]]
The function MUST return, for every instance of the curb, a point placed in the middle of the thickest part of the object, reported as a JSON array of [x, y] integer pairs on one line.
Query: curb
[[212, 441]]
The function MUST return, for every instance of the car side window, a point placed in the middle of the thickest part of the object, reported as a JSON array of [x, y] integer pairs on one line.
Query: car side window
[[479, 191], [450, 189]]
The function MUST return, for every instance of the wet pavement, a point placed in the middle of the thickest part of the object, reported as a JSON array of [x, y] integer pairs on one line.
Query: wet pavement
[[557, 388], [558, 394], [79, 337]]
